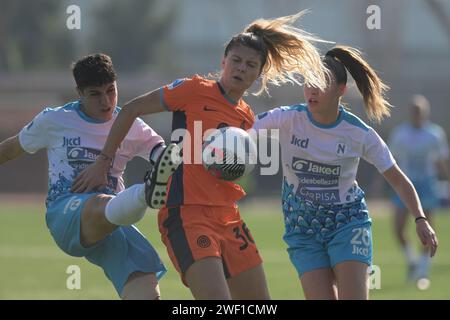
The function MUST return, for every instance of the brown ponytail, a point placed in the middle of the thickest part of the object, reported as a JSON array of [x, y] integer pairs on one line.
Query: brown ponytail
[[368, 82], [286, 52]]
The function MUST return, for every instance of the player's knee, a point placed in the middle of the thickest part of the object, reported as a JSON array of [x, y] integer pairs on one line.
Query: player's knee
[[155, 295], [93, 225], [141, 286], [94, 209]]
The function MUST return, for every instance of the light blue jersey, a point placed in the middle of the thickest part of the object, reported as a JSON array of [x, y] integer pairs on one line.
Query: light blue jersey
[[73, 141], [320, 162], [322, 203], [417, 150]]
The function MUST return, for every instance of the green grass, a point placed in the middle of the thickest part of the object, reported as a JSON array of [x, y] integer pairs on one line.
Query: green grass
[[33, 267]]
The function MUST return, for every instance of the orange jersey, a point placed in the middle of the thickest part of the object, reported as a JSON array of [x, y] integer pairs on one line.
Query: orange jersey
[[199, 104]]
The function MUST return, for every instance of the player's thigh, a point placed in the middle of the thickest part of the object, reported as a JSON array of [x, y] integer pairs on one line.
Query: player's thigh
[[350, 250], [244, 270], [319, 284], [310, 258], [352, 278], [242, 262], [124, 255], [64, 220], [193, 245], [250, 284], [93, 224], [141, 286], [206, 279]]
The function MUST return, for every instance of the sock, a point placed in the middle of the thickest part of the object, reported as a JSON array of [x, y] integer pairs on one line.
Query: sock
[[424, 265], [127, 207], [156, 152], [408, 252]]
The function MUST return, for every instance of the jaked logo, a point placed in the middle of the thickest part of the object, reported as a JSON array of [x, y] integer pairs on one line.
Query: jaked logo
[[71, 142], [301, 143], [316, 168]]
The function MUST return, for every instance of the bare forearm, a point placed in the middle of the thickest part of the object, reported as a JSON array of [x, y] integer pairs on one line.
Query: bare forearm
[[119, 130], [145, 104], [409, 196], [405, 189], [10, 149]]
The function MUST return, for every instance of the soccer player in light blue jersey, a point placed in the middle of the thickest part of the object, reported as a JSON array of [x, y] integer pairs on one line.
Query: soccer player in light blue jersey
[[421, 151], [328, 228], [97, 225]]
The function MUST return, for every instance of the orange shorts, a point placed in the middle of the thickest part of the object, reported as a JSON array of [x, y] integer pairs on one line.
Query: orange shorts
[[193, 232]]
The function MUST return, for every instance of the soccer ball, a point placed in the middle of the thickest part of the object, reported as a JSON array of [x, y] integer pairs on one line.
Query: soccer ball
[[229, 153]]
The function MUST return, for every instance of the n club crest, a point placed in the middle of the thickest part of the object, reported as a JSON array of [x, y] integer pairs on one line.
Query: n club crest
[[340, 148]]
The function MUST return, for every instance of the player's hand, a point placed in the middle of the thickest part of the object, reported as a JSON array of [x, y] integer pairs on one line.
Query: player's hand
[[427, 235], [93, 177]]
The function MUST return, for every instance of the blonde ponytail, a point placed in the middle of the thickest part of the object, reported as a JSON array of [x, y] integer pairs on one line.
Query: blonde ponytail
[[287, 52]]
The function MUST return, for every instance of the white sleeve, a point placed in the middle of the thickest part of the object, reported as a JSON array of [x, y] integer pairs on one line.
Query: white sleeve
[[271, 119], [146, 139], [376, 152], [34, 136]]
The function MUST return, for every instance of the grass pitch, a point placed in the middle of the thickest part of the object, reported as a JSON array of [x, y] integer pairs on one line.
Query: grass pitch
[[33, 267]]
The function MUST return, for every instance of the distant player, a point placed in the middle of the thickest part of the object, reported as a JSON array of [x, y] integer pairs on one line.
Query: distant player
[[96, 225], [328, 228], [421, 150], [206, 238]]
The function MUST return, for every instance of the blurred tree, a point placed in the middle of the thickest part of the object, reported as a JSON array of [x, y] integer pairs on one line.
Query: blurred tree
[[131, 31], [33, 35]]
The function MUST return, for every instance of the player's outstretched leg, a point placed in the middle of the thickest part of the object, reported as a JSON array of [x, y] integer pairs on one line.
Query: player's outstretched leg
[[156, 179]]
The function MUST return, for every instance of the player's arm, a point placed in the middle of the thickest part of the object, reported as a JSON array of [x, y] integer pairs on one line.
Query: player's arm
[[10, 149], [407, 193], [145, 104], [94, 176]]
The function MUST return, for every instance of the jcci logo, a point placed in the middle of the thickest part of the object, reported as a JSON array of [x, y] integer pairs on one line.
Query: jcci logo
[[71, 142]]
